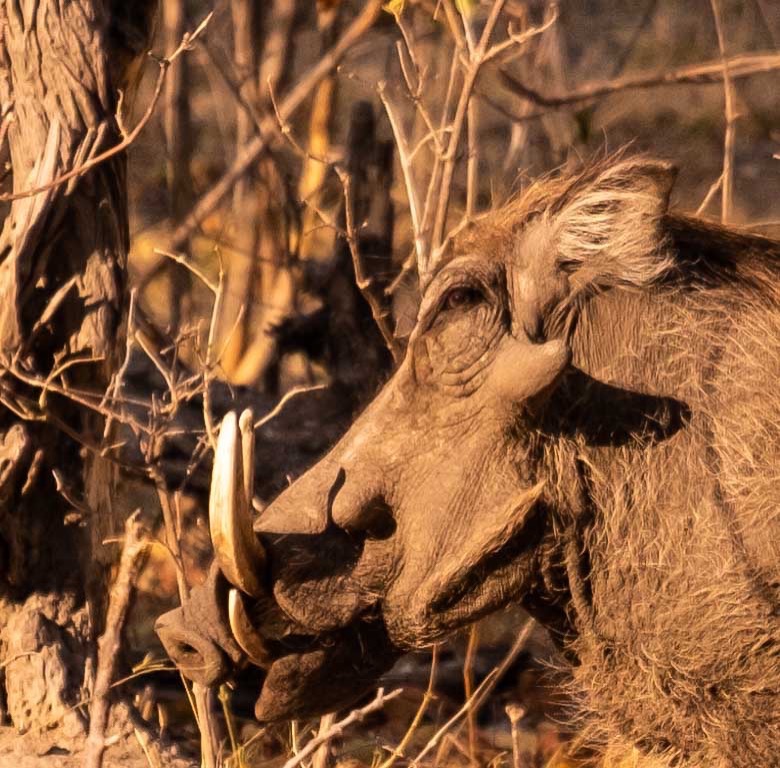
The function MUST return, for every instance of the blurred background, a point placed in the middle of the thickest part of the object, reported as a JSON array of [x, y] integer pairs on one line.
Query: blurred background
[[237, 191]]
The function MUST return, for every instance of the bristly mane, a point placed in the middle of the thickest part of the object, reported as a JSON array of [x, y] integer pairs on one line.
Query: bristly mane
[[687, 250]]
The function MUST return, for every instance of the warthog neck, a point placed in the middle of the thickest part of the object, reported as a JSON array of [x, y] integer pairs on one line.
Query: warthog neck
[[664, 572]]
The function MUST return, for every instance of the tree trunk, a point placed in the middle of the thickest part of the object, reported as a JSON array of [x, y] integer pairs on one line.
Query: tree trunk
[[260, 285], [62, 281], [245, 61], [177, 124]]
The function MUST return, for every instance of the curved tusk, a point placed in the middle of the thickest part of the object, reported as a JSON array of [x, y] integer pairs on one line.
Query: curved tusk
[[236, 548], [246, 426], [244, 632]]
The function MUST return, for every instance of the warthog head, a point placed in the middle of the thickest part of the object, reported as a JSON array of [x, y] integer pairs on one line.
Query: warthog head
[[435, 507]]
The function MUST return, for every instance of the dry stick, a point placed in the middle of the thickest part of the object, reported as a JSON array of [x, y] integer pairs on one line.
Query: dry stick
[[428, 697], [515, 715], [320, 759], [407, 170], [149, 748], [216, 312], [245, 62], [177, 130], [172, 539], [337, 729], [187, 264], [252, 151], [709, 72], [711, 192], [165, 64], [472, 167], [362, 281], [135, 544], [349, 232], [727, 178], [468, 687], [209, 736], [469, 79], [422, 245], [81, 397], [434, 183], [203, 697], [472, 163], [481, 694], [289, 395]]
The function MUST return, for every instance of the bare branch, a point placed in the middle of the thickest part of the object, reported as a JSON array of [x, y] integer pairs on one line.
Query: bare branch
[[252, 151], [338, 728], [740, 66], [727, 177], [480, 695]]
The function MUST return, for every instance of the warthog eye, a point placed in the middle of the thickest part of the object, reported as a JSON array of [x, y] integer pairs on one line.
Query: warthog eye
[[463, 297]]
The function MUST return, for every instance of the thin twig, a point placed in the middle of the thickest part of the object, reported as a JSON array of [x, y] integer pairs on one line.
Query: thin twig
[[711, 192], [363, 283], [469, 79], [468, 687], [515, 714], [405, 161], [428, 697], [289, 395], [321, 755], [216, 312], [727, 178], [187, 264], [740, 66], [472, 162], [480, 695], [338, 728]]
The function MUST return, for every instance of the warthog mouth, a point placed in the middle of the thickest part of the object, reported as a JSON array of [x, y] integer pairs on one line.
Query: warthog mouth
[[211, 639]]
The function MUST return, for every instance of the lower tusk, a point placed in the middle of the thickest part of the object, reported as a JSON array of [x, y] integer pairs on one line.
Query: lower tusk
[[236, 547], [244, 632]]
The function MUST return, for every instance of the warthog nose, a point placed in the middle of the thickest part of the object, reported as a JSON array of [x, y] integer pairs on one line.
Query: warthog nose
[[358, 508]]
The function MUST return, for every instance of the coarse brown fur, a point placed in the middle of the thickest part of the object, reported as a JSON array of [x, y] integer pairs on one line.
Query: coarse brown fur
[[678, 541]]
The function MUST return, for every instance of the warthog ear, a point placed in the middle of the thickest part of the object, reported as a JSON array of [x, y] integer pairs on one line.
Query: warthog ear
[[607, 228]]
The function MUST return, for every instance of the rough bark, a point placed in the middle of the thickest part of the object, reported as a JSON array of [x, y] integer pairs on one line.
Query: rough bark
[[62, 278]]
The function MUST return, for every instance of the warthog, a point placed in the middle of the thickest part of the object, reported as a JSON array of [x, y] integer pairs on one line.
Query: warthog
[[587, 422]]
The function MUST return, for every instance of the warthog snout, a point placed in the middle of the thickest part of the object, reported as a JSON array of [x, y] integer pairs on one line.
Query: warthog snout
[[197, 657], [197, 636]]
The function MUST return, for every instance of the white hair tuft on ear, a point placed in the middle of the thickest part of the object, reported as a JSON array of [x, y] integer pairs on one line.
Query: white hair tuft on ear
[[607, 230]]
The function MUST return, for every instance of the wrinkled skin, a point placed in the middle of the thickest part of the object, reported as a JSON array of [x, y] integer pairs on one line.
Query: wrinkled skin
[[458, 389], [565, 432]]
